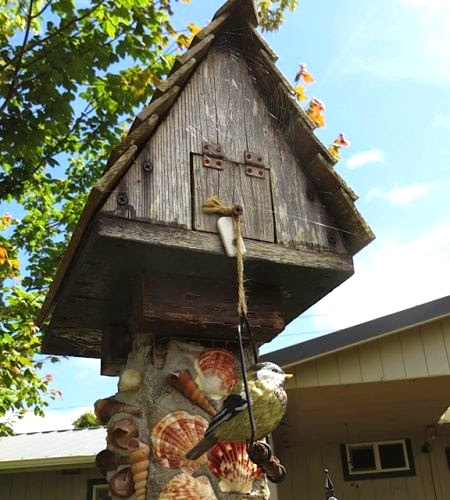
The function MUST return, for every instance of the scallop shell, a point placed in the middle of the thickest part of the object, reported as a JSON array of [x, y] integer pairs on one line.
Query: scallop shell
[[176, 434], [130, 380], [229, 461], [185, 487], [216, 370]]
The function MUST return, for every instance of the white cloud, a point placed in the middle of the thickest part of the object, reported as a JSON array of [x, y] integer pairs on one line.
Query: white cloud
[[370, 156], [390, 276], [402, 195], [441, 121], [53, 420]]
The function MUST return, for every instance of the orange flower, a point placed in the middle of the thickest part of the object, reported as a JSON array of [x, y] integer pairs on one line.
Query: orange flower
[[304, 74], [341, 141]]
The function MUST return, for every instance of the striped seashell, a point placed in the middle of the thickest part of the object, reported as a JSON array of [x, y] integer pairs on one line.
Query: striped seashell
[[185, 487], [140, 463], [217, 373], [229, 461], [173, 436]]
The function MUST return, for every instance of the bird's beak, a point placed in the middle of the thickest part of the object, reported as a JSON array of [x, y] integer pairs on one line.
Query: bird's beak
[[287, 376]]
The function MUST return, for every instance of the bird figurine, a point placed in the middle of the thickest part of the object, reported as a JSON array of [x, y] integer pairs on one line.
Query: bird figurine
[[266, 384]]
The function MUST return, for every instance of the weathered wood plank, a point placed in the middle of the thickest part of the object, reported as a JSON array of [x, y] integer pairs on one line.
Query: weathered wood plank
[[178, 238], [158, 106], [243, 10], [197, 52], [177, 78]]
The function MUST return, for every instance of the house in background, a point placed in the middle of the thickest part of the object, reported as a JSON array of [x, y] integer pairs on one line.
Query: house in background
[[52, 465], [366, 403], [370, 403]]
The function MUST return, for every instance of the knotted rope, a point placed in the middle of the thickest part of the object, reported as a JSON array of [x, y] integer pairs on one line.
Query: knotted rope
[[214, 206]]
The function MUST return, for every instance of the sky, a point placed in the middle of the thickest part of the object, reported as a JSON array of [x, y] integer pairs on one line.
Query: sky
[[383, 70]]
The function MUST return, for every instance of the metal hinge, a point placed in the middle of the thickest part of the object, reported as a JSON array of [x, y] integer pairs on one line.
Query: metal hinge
[[254, 166], [212, 155]]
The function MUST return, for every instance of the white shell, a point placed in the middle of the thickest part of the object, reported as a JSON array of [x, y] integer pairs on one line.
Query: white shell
[[130, 380]]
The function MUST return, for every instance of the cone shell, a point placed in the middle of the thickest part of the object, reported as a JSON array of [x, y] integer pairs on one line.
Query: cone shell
[[186, 487], [175, 435], [140, 463], [106, 408], [130, 380], [121, 483], [184, 383], [121, 431], [216, 370], [229, 461]]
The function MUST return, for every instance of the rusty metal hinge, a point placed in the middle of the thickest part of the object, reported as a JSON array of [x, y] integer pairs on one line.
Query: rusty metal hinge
[[254, 165], [212, 155]]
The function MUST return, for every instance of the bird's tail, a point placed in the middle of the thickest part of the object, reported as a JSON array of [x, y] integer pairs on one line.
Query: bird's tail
[[202, 447]]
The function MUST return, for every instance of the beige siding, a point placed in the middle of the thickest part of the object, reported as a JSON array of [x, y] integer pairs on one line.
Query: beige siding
[[305, 481], [413, 353], [46, 485]]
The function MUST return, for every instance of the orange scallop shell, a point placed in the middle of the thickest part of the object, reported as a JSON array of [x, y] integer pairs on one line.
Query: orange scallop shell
[[183, 486], [175, 435], [217, 373], [229, 461]]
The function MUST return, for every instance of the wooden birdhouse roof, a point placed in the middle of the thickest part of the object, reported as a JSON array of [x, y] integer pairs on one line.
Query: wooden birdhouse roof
[[234, 28]]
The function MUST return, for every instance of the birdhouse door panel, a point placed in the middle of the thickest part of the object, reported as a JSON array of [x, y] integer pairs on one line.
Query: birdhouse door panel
[[232, 184]]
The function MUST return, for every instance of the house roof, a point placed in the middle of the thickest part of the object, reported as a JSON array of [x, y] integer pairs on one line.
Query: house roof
[[53, 449], [361, 333], [238, 18]]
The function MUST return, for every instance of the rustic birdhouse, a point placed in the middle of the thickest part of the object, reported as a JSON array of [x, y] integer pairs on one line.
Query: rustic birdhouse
[[146, 257], [146, 284]]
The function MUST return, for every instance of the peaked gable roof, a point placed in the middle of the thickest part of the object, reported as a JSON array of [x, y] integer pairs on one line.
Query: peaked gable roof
[[238, 19], [359, 334]]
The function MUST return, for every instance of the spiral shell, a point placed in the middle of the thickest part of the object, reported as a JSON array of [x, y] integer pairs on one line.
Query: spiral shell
[[183, 486], [121, 483], [140, 463], [229, 461], [176, 434], [130, 380], [121, 431], [106, 461], [183, 382], [216, 370], [105, 408]]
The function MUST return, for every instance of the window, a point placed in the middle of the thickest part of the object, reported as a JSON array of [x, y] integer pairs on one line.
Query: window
[[377, 459], [98, 489]]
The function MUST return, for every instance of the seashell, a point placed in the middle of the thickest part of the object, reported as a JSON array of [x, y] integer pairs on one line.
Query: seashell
[[229, 461], [184, 383], [216, 370], [121, 431], [140, 463], [121, 483], [106, 408], [183, 486], [174, 435], [130, 380], [107, 460]]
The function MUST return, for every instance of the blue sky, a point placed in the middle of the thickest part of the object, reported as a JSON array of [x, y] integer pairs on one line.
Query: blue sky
[[383, 70]]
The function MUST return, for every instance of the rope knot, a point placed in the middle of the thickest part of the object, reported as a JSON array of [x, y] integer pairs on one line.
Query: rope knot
[[214, 206]]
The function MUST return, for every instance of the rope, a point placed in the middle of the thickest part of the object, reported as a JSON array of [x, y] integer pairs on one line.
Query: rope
[[214, 206]]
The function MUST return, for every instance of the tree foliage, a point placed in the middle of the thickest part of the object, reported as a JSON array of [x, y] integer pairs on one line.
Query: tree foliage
[[72, 74], [85, 421]]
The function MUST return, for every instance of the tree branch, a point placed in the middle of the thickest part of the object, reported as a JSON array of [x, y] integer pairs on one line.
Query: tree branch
[[12, 87]]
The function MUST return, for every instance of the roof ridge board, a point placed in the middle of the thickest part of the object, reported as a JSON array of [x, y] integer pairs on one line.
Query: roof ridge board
[[247, 8]]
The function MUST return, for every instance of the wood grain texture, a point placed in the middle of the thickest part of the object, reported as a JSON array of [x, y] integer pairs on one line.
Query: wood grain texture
[[233, 186]]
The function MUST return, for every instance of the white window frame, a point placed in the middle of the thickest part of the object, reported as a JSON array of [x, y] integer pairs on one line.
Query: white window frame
[[97, 488], [376, 451]]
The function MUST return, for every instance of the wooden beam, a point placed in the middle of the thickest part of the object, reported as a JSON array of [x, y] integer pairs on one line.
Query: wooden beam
[[159, 106], [197, 52], [164, 236], [178, 77]]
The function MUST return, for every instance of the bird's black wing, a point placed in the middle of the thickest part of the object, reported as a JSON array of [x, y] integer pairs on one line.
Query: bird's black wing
[[232, 405]]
